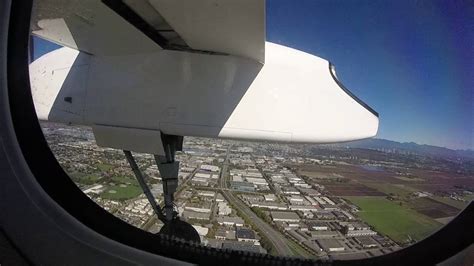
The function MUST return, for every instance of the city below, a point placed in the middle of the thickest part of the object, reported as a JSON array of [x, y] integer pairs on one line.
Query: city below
[[313, 201]]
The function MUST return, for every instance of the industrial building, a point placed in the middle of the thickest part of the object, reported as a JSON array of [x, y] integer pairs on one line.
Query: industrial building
[[242, 186], [329, 207], [303, 208], [278, 179], [256, 181], [298, 236], [323, 234], [202, 175], [270, 197], [318, 226], [294, 199], [226, 220], [330, 245], [290, 191], [210, 168], [366, 241], [237, 178], [200, 181], [196, 215], [219, 198], [199, 207], [245, 235], [358, 229], [270, 205], [206, 193], [310, 191], [353, 233], [243, 246], [285, 216], [223, 208], [225, 234]]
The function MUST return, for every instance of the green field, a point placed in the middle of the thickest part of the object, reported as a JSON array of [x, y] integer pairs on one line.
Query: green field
[[84, 179], [397, 189], [121, 192], [456, 204], [123, 180], [397, 222], [104, 167]]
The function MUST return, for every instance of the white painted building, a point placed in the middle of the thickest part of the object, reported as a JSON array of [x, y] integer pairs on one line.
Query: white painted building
[[311, 200], [205, 193], [294, 199], [210, 168], [257, 181], [319, 200], [223, 208], [226, 220], [270, 197], [202, 175], [328, 200], [237, 178]]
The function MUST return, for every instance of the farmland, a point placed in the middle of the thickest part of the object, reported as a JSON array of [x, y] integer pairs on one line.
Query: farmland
[[432, 208], [390, 198], [352, 189], [399, 190], [455, 203], [394, 220]]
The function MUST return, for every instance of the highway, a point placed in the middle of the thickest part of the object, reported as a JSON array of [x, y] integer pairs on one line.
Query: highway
[[278, 240]]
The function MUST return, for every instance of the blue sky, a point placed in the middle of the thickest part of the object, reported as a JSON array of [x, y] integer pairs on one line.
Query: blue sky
[[412, 61]]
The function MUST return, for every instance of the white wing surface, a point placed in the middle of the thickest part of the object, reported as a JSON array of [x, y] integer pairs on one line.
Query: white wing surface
[[189, 68], [116, 27]]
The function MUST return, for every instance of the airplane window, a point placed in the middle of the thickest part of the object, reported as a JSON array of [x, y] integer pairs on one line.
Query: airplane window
[[278, 157]]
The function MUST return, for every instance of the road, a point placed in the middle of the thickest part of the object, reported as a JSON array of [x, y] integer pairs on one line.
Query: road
[[183, 184], [153, 219], [278, 240]]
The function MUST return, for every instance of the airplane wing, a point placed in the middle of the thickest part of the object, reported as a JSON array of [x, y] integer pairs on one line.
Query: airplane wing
[[134, 69], [120, 27]]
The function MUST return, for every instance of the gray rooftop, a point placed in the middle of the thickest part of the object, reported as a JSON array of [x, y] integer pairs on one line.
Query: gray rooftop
[[243, 246], [326, 244], [285, 215], [195, 215], [230, 219], [245, 233]]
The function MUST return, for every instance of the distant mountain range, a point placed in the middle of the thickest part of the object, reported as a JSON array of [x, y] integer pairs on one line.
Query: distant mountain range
[[423, 149], [373, 144]]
